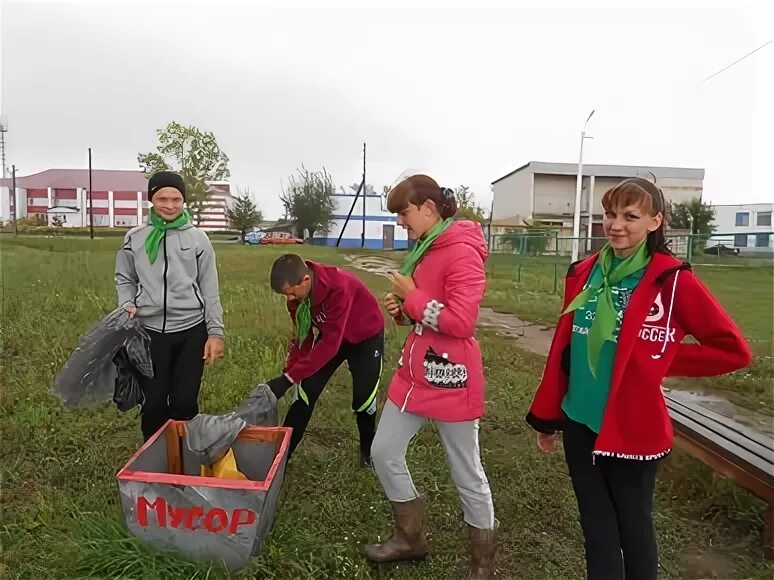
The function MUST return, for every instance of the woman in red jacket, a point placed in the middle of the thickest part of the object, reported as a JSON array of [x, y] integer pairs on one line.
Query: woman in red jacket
[[626, 311], [440, 375]]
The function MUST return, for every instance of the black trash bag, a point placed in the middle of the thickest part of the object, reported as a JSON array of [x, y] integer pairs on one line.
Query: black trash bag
[[128, 393], [89, 375]]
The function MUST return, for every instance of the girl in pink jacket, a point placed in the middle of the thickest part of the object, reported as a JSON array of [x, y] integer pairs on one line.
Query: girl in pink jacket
[[440, 375]]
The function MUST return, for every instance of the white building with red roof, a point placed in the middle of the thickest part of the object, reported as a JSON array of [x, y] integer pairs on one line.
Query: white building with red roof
[[119, 198]]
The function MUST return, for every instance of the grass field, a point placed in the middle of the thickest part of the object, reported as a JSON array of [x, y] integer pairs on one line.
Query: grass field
[[60, 513]]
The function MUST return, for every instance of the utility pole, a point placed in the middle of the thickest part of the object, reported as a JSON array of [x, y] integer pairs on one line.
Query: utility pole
[[3, 131], [91, 203], [13, 197], [365, 191], [578, 189]]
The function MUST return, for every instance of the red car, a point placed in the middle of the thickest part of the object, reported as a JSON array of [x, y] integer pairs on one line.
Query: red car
[[280, 238]]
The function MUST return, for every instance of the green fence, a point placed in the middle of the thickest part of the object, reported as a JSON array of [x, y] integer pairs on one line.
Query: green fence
[[538, 261]]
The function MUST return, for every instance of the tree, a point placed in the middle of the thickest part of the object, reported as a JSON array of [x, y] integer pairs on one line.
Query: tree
[[193, 153], [679, 214], [243, 215], [530, 239], [467, 208], [308, 201]]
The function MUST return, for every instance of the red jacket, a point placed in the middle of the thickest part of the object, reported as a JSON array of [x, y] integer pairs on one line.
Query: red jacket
[[669, 303], [440, 374], [343, 309]]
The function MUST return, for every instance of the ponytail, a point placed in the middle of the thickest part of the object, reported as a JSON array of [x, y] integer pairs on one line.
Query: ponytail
[[447, 206]]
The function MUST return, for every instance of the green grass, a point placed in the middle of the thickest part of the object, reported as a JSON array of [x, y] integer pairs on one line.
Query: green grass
[[60, 512], [531, 288]]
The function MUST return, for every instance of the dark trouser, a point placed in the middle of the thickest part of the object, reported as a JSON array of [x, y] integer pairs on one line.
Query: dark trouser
[[615, 499], [178, 366], [365, 366]]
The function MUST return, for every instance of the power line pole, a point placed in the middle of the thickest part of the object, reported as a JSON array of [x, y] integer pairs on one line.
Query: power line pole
[[91, 203], [365, 191], [3, 131], [13, 197], [351, 208], [578, 189]]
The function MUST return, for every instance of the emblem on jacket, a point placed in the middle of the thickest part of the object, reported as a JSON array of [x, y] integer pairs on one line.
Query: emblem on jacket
[[656, 312], [319, 318], [441, 372], [651, 330]]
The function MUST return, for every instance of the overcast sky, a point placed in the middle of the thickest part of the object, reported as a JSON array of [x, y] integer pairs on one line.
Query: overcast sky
[[466, 91]]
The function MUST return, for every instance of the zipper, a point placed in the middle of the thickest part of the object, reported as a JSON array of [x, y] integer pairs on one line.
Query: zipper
[[411, 372], [166, 267], [196, 293]]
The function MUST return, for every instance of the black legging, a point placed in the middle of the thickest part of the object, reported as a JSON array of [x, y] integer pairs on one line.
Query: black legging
[[365, 366], [178, 366], [615, 500]]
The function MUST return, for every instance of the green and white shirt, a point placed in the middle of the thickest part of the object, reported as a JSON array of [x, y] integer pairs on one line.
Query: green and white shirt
[[587, 395]]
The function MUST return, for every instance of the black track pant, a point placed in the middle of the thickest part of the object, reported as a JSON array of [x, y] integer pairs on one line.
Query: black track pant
[[365, 366], [173, 392], [615, 499]]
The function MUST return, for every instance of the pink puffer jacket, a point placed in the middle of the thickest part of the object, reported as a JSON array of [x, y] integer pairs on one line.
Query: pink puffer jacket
[[440, 374]]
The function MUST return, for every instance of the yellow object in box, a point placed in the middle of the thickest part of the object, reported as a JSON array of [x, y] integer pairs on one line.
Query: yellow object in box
[[223, 468]]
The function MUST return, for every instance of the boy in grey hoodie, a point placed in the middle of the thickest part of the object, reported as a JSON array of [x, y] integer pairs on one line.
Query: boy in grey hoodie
[[167, 277]]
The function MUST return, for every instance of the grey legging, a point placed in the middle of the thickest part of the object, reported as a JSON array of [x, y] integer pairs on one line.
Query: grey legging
[[459, 439]]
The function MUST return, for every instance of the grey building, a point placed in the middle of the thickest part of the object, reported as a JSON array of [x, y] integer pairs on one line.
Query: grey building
[[544, 193]]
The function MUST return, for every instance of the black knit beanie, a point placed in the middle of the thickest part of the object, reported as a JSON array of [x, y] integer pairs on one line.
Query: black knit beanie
[[165, 179]]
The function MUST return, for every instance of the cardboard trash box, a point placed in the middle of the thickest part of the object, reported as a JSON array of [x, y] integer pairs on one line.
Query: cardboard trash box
[[170, 506]]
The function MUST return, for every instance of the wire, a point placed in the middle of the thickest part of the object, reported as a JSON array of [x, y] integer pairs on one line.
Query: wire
[[737, 61]]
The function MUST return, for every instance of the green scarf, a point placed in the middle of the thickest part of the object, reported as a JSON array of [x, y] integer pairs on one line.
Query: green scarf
[[603, 326], [153, 241], [419, 249], [303, 320]]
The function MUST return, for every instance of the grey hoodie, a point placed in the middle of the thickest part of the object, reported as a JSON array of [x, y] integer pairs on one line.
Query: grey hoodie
[[177, 291]]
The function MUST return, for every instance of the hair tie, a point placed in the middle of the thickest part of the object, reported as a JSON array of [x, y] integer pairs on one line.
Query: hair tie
[[447, 193]]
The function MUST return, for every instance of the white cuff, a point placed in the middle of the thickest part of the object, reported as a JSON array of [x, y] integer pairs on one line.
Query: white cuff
[[431, 314]]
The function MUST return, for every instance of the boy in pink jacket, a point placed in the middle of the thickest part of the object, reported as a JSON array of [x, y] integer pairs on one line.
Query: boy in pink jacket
[[440, 375]]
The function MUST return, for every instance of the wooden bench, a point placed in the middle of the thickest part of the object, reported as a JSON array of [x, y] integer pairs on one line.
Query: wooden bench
[[734, 450]]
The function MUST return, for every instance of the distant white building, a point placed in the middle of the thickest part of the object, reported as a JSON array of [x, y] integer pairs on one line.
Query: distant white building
[[374, 222], [744, 226]]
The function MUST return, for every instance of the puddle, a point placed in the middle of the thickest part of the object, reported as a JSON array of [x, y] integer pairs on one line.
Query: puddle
[[529, 336], [757, 421], [373, 264]]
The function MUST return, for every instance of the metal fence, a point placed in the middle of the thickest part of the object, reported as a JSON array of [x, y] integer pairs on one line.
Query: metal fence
[[538, 260]]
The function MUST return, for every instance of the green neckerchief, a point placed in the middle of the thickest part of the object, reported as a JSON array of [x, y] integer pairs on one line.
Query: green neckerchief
[[603, 326], [303, 319], [153, 241], [419, 249]]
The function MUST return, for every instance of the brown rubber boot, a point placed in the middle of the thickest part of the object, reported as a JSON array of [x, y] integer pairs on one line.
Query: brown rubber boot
[[408, 540], [483, 545]]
